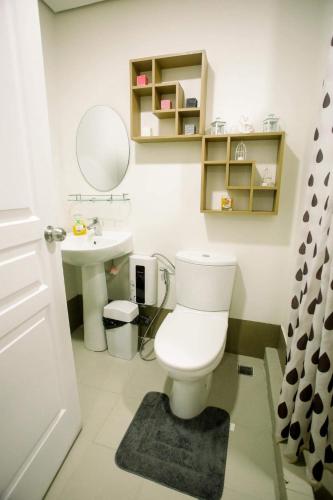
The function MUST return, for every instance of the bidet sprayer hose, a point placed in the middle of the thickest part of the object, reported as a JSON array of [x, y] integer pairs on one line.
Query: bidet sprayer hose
[[169, 263], [166, 277]]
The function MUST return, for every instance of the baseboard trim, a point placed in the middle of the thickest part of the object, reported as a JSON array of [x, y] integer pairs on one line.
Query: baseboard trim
[[150, 311], [250, 338]]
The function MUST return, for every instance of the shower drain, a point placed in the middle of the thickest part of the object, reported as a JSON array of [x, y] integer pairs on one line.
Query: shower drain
[[245, 370]]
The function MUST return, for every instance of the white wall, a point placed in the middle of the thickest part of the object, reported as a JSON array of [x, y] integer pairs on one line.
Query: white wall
[[264, 56]]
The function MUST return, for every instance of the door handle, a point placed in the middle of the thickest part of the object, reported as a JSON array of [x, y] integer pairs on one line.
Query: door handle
[[54, 234]]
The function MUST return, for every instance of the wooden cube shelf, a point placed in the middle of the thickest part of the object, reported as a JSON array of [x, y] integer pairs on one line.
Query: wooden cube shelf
[[159, 87], [240, 177]]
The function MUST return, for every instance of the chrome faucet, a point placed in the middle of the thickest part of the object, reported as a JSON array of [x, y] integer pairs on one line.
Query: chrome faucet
[[96, 225]]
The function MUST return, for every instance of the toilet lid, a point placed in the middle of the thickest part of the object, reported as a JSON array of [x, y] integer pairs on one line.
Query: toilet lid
[[191, 340]]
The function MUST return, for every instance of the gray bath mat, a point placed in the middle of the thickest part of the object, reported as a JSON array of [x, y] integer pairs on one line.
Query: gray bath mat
[[186, 455]]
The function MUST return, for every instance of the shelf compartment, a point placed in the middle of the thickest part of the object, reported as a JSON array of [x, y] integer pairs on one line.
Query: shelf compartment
[[142, 114], [182, 119], [241, 199], [139, 67], [214, 180], [260, 174], [264, 201], [256, 136], [215, 162], [216, 148], [167, 138], [263, 149], [191, 112], [240, 174], [166, 87], [180, 60], [142, 89], [170, 90], [165, 113], [172, 61]]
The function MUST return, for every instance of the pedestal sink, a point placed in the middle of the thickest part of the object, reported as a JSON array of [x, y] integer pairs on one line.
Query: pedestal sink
[[90, 252]]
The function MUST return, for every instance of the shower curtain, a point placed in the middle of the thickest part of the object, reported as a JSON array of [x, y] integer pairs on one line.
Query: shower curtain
[[305, 409]]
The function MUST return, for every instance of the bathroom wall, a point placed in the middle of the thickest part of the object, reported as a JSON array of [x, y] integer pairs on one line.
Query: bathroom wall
[[264, 56]]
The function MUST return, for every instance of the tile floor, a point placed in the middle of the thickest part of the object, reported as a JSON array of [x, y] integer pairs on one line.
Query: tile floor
[[110, 391]]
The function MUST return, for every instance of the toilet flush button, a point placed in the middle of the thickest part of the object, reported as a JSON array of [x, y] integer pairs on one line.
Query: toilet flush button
[[205, 255]]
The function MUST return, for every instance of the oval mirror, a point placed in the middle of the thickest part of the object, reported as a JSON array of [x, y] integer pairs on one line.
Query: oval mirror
[[102, 148]]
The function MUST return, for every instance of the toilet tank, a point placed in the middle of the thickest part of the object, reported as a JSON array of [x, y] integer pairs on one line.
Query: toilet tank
[[204, 280]]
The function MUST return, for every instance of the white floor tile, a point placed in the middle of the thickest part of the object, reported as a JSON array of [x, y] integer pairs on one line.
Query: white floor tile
[[102, 371], [153, 491], [97, 477], [110, 392], [146, 377], [236, 495], [244, 397], [118, 421], [95, 407], [251, 463]]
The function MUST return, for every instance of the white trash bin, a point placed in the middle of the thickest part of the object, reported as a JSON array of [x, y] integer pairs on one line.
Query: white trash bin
[[120, 328]]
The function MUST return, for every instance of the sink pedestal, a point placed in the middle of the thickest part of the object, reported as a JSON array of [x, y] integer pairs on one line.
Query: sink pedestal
[[90, 251], [95, 297]]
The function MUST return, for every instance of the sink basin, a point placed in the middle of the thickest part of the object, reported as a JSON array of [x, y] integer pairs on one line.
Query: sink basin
[[90, 252], [90, 249]]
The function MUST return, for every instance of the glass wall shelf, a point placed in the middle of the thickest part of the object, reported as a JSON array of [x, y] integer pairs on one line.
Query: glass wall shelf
[[98, 197]]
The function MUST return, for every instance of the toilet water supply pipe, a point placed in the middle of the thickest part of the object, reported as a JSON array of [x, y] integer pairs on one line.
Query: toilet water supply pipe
[[166, 277]]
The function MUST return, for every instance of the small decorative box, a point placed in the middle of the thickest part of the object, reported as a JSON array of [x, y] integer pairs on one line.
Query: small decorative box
[[191, 102], [189, 128], [142, 80], [166, 104]]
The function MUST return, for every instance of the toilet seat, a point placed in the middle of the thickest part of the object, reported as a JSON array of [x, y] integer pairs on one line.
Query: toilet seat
[[190, 341]]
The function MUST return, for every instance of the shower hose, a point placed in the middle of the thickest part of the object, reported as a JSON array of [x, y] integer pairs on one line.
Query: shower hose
[[167, 271]]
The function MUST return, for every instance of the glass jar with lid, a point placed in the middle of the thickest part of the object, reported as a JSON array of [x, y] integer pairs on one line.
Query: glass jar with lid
[[218, 127], [271, 123]]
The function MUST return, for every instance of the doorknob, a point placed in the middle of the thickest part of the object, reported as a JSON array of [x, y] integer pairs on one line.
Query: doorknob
[[54, 234]]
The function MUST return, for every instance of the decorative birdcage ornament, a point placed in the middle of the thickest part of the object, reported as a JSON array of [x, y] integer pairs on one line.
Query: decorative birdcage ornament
[[240, 153], [218, 127], [271, 123]]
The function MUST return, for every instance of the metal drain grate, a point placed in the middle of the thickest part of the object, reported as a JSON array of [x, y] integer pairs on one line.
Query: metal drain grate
[[245, 370]]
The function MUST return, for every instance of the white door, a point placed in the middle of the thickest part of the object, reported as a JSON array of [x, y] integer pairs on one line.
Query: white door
[[39, 407]]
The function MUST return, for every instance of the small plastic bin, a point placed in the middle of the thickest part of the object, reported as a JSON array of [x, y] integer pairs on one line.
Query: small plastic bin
[[120, 319]]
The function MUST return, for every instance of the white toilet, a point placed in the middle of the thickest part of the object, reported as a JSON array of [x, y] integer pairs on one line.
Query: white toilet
[[191, 340]]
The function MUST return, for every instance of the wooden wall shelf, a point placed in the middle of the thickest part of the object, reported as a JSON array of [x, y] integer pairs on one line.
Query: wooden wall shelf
[[147, 98], [242, 178], [168, 138], [168, 78]]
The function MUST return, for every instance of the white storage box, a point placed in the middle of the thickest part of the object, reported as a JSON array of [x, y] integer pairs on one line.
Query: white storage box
[[121, 331]]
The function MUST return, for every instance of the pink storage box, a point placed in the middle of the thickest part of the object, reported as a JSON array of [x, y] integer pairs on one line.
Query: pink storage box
[[142, 80], [166, 104]]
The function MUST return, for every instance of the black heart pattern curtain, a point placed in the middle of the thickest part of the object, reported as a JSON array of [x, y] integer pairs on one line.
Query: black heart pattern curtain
[[305, 409]]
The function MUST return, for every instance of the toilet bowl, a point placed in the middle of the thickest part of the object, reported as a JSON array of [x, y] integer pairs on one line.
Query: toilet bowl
[[190, 342]]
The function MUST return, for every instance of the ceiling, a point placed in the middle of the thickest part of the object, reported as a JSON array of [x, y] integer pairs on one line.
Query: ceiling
[[61, 5]]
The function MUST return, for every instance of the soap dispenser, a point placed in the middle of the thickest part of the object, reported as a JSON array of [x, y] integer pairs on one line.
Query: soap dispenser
[[79, 226]]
